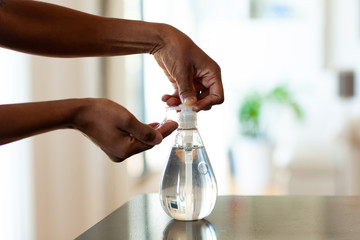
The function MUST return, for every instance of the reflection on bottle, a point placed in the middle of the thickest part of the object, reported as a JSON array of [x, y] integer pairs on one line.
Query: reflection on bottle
[[181, 230]]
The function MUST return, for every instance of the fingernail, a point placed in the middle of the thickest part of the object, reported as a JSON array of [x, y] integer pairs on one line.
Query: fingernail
[[189, 101]]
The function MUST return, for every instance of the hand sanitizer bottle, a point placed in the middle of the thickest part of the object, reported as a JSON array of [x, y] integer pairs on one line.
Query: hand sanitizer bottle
[[188, 189]]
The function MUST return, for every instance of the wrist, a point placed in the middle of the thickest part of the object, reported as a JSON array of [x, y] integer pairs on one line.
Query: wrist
[[166, 35], [123, 37], [79, 117], [162, 33]]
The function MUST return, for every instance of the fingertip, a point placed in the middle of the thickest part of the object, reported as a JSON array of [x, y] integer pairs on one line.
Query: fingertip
[[168, 127], [173, 102], [174, 125], [202, 105], [165, 97]]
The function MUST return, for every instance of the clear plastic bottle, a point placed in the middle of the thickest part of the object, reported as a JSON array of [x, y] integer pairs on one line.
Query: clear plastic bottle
[[188, 189]]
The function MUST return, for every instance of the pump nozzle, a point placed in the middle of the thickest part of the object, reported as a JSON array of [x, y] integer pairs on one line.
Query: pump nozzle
[[187, 116]]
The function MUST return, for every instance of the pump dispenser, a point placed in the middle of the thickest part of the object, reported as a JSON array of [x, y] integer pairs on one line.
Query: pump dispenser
[[188, 189]]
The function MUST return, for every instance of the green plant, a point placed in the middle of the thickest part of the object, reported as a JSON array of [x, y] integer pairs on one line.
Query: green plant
[[251, 109]]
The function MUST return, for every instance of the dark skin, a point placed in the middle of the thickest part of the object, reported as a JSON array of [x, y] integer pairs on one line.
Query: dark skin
[[109, 125], [49, 30]]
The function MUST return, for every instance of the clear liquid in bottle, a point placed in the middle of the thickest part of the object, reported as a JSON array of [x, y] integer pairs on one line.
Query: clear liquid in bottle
[[188, 188]]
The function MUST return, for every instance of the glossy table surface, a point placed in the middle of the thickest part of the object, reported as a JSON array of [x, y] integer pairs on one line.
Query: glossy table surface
[[237, 217]]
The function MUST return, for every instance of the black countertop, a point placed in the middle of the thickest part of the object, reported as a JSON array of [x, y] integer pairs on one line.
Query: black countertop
[[237, 217]]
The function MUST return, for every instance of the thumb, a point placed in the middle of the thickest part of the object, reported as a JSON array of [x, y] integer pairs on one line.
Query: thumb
[[144, 133], [187, 91]]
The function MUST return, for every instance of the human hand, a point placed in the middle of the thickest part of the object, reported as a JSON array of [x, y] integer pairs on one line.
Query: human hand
[[194, 75], [116, 131], [196, 78]]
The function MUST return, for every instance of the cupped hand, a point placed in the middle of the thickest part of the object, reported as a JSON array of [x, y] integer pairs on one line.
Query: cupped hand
[[116, 131], [195, 77]]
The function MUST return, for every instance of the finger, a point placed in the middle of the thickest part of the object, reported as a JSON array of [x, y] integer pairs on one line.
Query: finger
[[167, 128], [211, 81], [131, 146], [142, 132], [203, 94], [199, 86], [154, 124], [186, 89], [213, 96], [166, 97], [205, 103], [171, 100], [216, 93]]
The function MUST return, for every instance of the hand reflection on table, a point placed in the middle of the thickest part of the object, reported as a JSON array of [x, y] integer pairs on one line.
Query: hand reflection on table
[[189, 230]]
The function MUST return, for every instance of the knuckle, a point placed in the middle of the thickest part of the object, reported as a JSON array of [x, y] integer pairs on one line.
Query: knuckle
[[218, 69], [185, 88]]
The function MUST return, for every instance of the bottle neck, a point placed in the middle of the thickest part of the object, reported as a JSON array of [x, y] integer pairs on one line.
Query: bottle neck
[[188, 121], [180, 128], [186, 138]]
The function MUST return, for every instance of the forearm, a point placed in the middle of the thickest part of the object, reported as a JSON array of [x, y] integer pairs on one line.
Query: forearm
[[23, 120], [50, 30]]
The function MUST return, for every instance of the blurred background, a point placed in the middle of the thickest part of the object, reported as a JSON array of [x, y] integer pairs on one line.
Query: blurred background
[[289, 124]]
